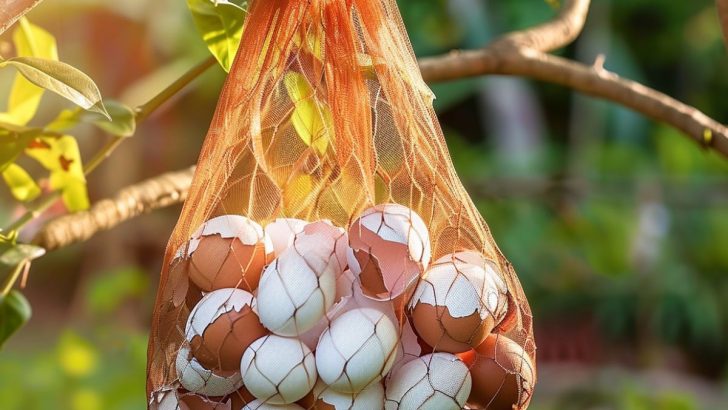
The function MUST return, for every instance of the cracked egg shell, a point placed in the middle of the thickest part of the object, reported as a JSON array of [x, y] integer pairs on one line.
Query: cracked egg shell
[[221, 326], [438, 381], [390, 248], [282, 231], [456, 305], [503, 375], [500, 300], [164, 398], [228, 251], [356, 350], [330, 241], [278, 370], [197, 379], [191, 401], [296, 290], [261, 405], [323, 397]]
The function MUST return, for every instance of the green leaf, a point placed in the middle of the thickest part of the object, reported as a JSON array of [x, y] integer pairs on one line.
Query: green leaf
[[311, 118], [12, 254], [122, 123], [62, 158], [15, 311], [62, 79], [21, 184], [221, 25], [30, 41]]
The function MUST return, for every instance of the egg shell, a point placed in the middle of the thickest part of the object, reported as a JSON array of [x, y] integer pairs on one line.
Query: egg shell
[[438, 381], [390, 249], [164, 398], [322, 397], [282, 231], [228, 251], [197, 379], [332, 242], [296, 290], [358, 349], [344, 294], [191, 401], [221, 326], [261, 405], [504, 311], [278, 370], [456, 305], [503, 375]]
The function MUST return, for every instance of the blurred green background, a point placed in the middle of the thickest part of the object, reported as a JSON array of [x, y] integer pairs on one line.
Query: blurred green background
[[617, 225]]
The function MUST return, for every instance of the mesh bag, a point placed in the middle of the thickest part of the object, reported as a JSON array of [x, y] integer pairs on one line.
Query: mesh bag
[[325, 117]]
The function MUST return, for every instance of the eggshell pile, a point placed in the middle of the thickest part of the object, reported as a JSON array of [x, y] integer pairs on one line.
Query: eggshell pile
[[310, 315]]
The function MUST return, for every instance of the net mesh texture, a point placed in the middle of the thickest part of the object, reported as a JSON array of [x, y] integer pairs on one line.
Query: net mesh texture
[[323, 115]]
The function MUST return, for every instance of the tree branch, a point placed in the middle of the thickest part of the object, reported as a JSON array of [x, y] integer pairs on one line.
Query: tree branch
[[520, 53], [158, 192]]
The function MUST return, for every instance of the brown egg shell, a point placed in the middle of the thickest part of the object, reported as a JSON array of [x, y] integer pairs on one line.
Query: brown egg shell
[[240, 398], [502, 373], [223, 342], [219, 262], [445, 333]]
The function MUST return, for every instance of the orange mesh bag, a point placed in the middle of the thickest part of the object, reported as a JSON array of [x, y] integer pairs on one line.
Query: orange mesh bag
[[327, 254]]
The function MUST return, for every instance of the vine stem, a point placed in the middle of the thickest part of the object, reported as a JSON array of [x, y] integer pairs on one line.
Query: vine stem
[[141, 113]]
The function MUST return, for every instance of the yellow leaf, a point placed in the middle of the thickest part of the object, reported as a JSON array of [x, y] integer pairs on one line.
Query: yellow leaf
[[62, 158], [30, 41], [21, 184], [311, 118]]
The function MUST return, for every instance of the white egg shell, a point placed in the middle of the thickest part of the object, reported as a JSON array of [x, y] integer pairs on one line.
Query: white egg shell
[[164, 398], [408, 348], [325, 238], [462, 287], [344, 292], [438, 381], [357, 349], [195, 378], [278, 370], [261, 405], [372, 397], [231, 226], [282, 231], [295, 292], [398, 240], [213, 305]]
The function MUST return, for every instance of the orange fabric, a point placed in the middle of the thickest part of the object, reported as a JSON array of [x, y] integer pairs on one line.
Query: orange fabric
[[382, 143]]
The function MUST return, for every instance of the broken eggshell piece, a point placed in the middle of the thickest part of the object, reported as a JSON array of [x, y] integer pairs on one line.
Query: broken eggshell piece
[[197, 379], [457, 304], [282, 231], [221, 326], [390, 248], [228, 251]]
